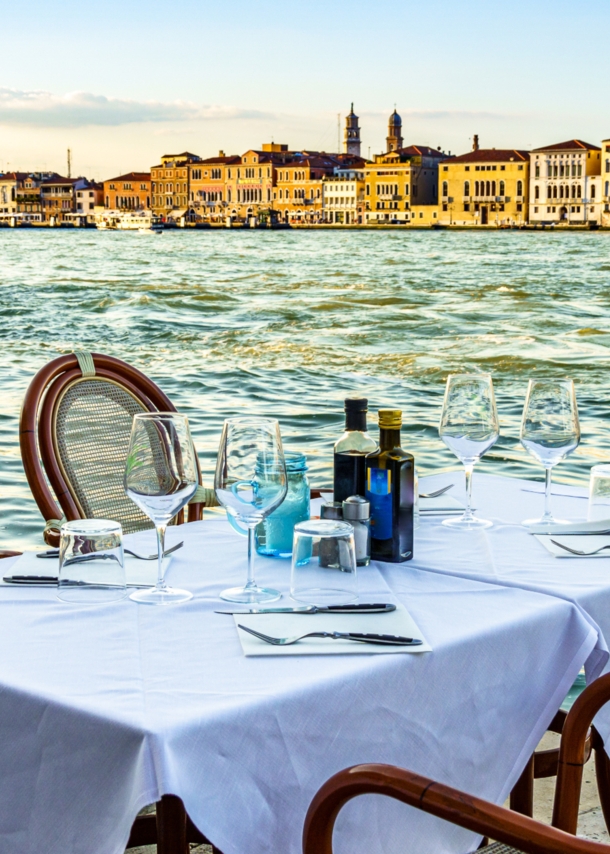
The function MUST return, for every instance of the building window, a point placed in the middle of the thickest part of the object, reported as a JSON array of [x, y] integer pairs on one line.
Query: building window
[[519, 188], [445, 206], [519, 207], [592, 191], [466, 188], [466, 206], [537, 175], [535, 210], [502, 193], [536, 192], [445, 188]]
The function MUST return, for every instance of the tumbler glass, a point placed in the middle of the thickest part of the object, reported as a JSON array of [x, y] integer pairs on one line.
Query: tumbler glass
[[324, 563], [91, 562], [599, 493]]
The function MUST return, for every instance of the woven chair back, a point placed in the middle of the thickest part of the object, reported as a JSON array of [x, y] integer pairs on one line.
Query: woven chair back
[[91, 429], [74, 434]]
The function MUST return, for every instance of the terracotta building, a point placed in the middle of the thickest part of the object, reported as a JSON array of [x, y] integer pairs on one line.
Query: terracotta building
[[207, 186], [170, 185], [128, 192]]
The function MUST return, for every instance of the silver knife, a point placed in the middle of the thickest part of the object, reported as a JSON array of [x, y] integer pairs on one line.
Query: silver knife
[[364, 608]]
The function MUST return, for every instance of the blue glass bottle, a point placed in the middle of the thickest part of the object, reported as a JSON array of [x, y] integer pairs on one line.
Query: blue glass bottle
[[274, 534]]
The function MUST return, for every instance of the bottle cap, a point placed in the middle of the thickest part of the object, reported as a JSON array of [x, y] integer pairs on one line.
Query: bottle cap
[[332, 511], [357, 508], [390, 419], [356, 404]]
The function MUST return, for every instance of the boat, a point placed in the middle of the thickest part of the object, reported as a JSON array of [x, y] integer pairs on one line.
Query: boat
[[140, 221]]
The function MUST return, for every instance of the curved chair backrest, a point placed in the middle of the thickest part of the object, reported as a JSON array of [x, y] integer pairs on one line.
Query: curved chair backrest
[[74, 436], [509, 828]]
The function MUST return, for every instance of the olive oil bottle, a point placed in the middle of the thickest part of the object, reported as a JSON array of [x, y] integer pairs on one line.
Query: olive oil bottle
[[351, 449], [389, 489]]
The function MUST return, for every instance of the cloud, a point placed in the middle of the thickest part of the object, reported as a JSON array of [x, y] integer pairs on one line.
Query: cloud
[[79, 109], [445, 115]]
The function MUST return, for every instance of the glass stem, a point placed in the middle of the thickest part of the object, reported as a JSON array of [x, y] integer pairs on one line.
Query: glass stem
[[160, 552], [468, 473], [547, 493], [251, 552]]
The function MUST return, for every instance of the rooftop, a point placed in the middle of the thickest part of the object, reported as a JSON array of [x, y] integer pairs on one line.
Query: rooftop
[[131, 176], [570, 145], [491, 155]]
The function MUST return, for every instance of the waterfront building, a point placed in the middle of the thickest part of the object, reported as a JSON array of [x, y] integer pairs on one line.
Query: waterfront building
[[343, 197], [486, 186], [57, 199], [250, 183], [298, 193], [565, 183], [207, 186], [399, 179], [170, 189], [351, 135], [605, 182], [9, 182], [131, 191]]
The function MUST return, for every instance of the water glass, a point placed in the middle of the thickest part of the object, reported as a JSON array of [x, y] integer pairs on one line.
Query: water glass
[[599, 493], [550, 430], [91, 562], [469, 427], [274, 534], [324, 563], [250, 482]]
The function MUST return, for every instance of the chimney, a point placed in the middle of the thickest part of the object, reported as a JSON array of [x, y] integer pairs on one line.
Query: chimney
[[475, 142], [221, 154]]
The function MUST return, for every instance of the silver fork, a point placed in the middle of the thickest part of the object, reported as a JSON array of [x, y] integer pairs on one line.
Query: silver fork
[[577, 552], [362, 637], [437, 493]]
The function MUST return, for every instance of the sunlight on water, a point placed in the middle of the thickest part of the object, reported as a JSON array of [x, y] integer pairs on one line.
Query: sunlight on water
[[288, 323]]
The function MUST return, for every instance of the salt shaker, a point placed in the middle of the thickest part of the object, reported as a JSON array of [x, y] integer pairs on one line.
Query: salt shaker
[[329, 554], [357, 511]]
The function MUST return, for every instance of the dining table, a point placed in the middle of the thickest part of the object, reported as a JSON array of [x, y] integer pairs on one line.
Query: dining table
[[507, 554], [104, 708]]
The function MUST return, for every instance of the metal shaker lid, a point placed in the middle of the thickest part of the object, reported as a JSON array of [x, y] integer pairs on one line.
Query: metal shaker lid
[[356, 507], [332, 510]]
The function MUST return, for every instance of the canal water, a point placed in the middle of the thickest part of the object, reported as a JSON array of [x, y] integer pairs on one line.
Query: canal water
[[287, 323]]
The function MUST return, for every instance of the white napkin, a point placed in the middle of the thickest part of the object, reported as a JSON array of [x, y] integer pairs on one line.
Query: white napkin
[[583, 544], [398, 622], [443, 504], [599, 526], [139, 573]]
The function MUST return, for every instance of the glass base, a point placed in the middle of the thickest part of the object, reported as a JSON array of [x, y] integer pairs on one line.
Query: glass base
[[546, 521], [467, 523], [250, 595], [165, 596]]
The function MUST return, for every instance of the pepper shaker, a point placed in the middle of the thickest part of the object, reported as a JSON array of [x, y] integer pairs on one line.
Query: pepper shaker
[[329, 554], [357, 511]]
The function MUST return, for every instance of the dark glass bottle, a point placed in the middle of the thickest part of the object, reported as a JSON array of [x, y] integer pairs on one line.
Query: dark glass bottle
[[351, 449], [389, 489]]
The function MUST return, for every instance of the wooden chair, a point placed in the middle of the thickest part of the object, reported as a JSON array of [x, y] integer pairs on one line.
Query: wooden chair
[[74, 435], [514, 832]]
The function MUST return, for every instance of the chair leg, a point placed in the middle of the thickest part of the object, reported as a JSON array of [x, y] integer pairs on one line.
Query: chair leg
[[522, 796], [602, 774], [171, 826]]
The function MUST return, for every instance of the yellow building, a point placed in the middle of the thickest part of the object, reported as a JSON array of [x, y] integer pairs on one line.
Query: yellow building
[[487, 186], [398, 180], [170, 185], [298, 196], [250, 183]]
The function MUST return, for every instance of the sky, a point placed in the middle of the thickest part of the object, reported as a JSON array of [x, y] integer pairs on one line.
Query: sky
[[122, 82]]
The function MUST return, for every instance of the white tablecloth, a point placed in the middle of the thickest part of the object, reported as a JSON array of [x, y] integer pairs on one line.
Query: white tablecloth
[[507, 554], [104, 709]]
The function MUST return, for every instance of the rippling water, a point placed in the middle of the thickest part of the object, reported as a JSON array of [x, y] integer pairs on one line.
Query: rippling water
[[288, 323]]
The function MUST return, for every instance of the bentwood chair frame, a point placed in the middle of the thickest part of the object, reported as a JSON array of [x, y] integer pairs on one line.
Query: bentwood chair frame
[[54, 491], [506, 826]]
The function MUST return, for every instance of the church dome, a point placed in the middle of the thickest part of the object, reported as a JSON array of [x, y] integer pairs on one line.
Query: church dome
[[395, 120]]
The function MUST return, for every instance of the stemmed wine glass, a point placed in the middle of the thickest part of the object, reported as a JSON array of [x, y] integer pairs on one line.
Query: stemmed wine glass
[[161, 477], [550, 430], [469, 427], [250, 482]]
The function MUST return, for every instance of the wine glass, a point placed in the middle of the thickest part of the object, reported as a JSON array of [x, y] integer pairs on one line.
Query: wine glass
[[549, 430], [469, 427], [161, 477], [250, 482]]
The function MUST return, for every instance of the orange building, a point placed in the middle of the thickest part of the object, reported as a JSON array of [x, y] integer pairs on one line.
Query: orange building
[[170, 185], [128, 192], [207, 186], [250, 183]]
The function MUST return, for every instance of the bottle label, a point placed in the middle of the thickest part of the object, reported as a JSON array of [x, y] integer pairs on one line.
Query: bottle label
[[379, 494]]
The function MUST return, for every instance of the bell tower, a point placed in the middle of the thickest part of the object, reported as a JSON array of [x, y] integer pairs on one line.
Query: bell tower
[[351, 135], [394, 137]]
